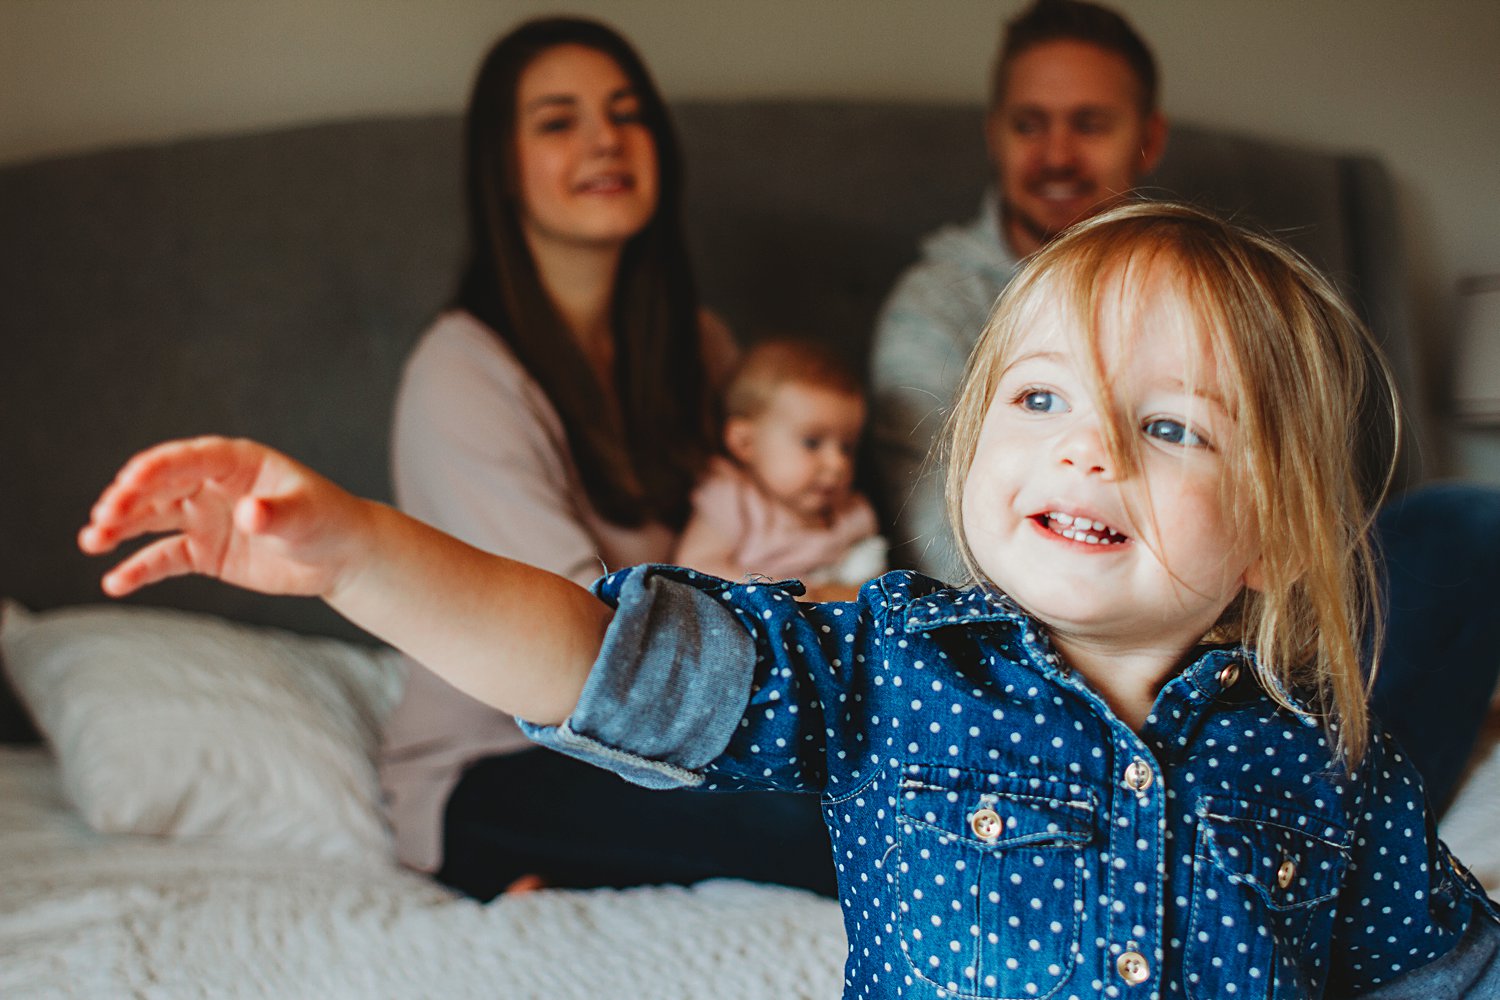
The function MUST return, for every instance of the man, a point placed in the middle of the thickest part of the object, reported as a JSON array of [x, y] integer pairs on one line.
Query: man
[[1072, 127]]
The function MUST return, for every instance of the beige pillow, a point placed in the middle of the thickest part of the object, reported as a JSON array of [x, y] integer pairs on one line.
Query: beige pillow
[[181, 725]]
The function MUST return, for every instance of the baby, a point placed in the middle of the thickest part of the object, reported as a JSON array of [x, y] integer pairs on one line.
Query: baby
[[781, 503]]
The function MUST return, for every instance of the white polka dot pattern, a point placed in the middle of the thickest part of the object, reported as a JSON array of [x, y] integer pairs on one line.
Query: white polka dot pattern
[[999, 833]]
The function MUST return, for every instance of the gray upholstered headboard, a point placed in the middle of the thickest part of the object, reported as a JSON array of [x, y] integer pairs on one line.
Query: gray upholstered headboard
[[270, 284]]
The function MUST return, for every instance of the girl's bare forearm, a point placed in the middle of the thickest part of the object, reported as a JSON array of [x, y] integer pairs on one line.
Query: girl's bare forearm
[[513, 636]]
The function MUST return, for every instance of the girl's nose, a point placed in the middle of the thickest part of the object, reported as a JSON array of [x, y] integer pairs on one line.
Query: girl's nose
[[1083, 448]]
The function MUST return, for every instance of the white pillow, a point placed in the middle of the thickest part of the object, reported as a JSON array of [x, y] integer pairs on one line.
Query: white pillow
[[182, 725]]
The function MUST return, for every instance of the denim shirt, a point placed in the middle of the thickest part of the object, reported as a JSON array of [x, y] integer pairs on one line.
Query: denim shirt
[[999, 833]]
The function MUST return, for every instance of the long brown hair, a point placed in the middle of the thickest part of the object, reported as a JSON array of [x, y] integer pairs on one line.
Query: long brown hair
[[643, 469], [1302, 372]]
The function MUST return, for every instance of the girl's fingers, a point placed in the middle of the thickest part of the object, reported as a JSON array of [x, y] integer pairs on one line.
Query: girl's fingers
[[103, 533], [96, 541], [123, 513], [117, 518], [178, 469], [148, 492], [163, 558]]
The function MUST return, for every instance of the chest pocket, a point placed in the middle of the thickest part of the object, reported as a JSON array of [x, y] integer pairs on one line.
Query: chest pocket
[[1265, 885], [989, 873]]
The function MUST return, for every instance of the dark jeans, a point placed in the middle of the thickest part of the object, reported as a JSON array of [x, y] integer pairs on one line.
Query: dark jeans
[[1441, 548], [577, 826]]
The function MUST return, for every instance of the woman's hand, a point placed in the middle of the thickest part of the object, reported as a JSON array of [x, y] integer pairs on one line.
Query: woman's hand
[[231, 509]]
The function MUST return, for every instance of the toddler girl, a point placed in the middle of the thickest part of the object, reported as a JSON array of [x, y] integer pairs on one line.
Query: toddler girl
[[782, 504], [1131, 759]]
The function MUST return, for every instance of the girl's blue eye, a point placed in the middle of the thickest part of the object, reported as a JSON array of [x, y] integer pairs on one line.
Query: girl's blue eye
[[1042, 401], [1171, 431]]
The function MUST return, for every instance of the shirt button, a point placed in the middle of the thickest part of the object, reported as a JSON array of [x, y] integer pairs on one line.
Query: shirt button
[[1286, 873], [1138, 776], [1229, 675], [1133, 968], [986, 824]]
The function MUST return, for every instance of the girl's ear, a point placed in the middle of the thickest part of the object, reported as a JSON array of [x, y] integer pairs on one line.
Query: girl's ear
[[739, 439], [1255, 574]]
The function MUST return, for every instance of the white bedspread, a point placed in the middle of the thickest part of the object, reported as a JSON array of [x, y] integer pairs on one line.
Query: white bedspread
[[102, 917], [85, 915]]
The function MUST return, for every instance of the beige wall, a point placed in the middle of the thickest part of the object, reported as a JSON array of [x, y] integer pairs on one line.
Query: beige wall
[[1414, 82]]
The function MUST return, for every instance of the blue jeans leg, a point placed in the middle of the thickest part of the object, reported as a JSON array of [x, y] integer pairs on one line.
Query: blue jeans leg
[[1441, 550]]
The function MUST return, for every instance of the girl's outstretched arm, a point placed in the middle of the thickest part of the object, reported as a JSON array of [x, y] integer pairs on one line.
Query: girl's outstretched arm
[[514, 636]]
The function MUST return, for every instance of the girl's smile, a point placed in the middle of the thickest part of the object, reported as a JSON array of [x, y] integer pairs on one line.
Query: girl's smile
[[1079, 528]]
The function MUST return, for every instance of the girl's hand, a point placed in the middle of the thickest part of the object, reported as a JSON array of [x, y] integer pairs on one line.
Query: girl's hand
[[231, 509], [519, 638]]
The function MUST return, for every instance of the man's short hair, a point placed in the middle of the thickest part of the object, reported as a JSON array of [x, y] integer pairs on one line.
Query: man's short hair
[[1077, 21]]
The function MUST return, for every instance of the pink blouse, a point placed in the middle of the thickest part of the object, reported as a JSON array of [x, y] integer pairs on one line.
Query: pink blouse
[[478, 451]]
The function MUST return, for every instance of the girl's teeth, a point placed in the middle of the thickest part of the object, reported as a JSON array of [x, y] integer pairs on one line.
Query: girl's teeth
[[1081, 529], [1082, 523]]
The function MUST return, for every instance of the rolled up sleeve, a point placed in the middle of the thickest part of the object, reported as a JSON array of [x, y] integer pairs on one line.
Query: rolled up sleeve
[[670, 685]]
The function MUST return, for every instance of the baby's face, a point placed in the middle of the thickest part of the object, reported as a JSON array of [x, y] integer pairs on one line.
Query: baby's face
[[800, 450], [1149, 554]]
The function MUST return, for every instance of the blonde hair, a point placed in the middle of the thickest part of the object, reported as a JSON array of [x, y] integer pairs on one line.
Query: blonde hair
[[778, 361], [1300, 372]]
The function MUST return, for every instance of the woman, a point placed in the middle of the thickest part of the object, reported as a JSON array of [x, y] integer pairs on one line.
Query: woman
[[558, 414]]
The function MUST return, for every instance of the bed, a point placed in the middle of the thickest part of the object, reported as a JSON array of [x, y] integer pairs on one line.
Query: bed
[[97, 916], [188, 804], [205, 822]]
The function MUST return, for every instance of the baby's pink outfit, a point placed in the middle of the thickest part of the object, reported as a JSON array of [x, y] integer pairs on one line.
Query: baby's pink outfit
[[773, 542]]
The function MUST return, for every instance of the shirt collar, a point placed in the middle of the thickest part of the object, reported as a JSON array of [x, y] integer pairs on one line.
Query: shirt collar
[[1221, 673], [981, 603]]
